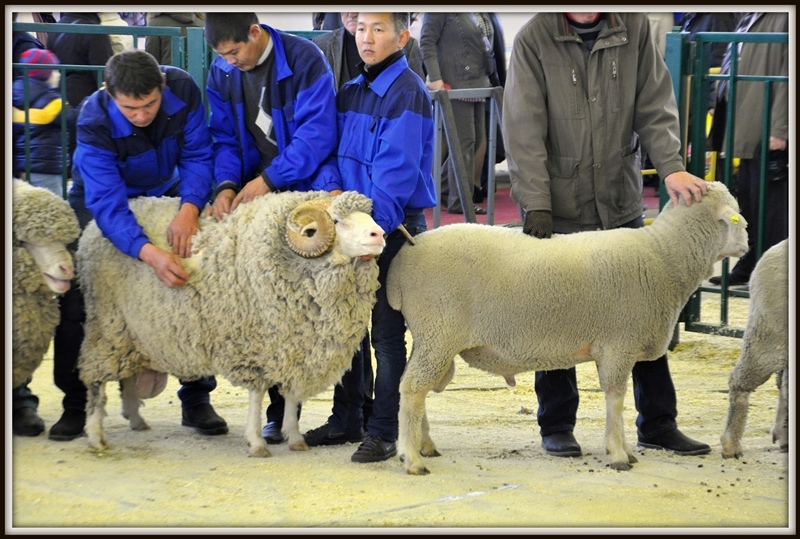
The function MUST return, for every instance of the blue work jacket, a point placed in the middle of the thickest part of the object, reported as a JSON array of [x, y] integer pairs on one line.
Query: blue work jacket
[[115, 160], [303, 110], [386, 143]]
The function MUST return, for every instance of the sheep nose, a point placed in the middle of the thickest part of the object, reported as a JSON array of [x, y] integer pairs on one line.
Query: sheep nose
[[66, 271]]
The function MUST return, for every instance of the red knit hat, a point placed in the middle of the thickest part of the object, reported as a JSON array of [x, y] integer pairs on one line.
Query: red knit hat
[[39, 56]]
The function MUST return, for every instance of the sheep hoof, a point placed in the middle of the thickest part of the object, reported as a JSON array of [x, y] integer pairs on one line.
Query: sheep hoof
[[260, 452], [731, 454], [632, 459], [299, 446], [99, 445], [140, 426], [430, 453], [620, 466], [414, 470]]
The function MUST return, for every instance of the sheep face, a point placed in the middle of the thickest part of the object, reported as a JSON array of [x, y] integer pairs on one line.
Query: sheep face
[[55, 264], [736, 240], [358, 235], [314, 227]]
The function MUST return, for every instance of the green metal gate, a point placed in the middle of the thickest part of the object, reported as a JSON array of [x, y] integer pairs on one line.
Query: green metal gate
[[688, 63]]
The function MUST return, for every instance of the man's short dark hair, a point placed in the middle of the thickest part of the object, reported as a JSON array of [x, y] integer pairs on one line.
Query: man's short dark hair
[[223, 27], [134, 72], [400, 21]]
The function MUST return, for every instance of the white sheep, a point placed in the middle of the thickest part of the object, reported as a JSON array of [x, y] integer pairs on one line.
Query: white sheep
[[278, 294], [765, 350], [43, 225], [510, 303]]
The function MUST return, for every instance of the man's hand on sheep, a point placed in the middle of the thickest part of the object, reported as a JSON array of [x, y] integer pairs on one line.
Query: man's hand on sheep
[[222, 204], [252, 189], [168, 266], [182, 228], [538, 224], [692, 188]]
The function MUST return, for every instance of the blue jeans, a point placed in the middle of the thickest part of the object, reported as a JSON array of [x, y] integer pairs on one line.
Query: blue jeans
[[388, 340], [653, 394], [69, 333]]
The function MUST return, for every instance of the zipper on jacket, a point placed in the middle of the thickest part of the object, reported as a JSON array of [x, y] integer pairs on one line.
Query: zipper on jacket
[[613, 70], [574, 78]]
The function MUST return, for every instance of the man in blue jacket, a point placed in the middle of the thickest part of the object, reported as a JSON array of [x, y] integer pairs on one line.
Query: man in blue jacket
[[273, 121], [144, 134], [385, 125]]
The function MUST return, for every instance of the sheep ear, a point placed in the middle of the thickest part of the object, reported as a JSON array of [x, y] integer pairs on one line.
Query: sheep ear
[[729, 215]]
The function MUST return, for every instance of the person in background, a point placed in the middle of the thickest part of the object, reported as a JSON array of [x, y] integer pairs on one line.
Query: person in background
[[457, 51], [771, 59], [46, 110], [326, 21], [119, 42], [571, 173], [273, 108], [161, 46], [385, 151], [143, 134], [499, 51]]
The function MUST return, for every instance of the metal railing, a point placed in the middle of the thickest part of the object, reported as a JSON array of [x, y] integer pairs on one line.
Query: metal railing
[[689, 64]]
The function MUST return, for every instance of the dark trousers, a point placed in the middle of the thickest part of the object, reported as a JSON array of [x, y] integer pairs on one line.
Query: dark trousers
[[653, 393], [776, 211], [69, 334]]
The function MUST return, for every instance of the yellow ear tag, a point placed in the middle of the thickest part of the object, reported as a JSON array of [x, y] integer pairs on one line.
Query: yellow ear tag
[[735, 219]]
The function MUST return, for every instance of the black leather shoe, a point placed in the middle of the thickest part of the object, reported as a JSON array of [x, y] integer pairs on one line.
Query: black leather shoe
[[69, 427], [374, 449], [202, 418], [478, 210], [561, 444], [734, 279], [676, 441], [272, 433], [327, 434], [26, 422]]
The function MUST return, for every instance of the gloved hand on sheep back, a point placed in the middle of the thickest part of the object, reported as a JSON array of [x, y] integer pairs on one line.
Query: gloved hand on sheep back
[[538, 224]]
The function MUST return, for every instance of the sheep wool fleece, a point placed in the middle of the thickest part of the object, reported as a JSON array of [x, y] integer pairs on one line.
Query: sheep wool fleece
[[38, 217], [252, 311]]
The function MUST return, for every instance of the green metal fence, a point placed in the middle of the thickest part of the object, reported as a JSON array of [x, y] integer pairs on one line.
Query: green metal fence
[[189, 52], [688, 63]]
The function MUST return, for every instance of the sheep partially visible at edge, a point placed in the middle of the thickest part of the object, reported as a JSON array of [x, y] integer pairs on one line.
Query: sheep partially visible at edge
[[277, 294], [510, 303], [765, 350], [42, 226]]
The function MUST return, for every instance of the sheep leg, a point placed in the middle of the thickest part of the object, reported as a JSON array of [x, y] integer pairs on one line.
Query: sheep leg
[[95, 412], [746, 376], [619, 453], [291, 426], [252, 431], [780, 431], [131, 404]]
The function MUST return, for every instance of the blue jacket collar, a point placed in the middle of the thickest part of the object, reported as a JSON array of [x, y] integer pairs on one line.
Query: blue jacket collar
[[384, 81]]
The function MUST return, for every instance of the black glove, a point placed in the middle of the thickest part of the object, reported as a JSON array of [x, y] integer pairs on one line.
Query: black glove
[[538, 224]]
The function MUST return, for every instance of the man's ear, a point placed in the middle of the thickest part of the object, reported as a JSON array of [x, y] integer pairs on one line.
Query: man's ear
[[404, 36], [255, 31]]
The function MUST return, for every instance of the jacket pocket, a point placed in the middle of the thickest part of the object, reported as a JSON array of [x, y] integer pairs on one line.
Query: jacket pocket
[[564, 182], [630, 178]]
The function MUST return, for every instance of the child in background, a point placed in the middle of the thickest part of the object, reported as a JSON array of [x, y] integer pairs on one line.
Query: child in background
[[46, 109]]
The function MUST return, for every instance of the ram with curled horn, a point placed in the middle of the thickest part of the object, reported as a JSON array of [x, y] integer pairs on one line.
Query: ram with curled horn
[[253, 311]]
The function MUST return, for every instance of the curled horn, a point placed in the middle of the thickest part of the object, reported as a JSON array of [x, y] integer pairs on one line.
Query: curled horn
[[310, 230]]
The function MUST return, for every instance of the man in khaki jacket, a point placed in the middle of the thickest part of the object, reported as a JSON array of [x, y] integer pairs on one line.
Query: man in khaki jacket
[[583, 91]]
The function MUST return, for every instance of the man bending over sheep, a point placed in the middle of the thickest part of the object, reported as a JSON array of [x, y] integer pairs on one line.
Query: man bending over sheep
[[385, 124], [606, 88], [144, 134], [273, 118]]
